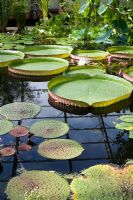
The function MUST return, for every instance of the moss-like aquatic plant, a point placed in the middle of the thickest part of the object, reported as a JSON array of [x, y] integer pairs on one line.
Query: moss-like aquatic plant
[[19, 131], [49, 128], [5, 126], [19, 110], [60, 149], [104, 182], [38, 185]]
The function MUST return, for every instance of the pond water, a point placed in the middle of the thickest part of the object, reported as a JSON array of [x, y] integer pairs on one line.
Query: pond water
[[102, 142]]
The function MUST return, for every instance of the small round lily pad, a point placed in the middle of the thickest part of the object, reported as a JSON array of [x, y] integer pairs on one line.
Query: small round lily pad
[[60, 149], [24, 147], [19, 110], [126, 118], [124, 126], [49, 128], [5, 126], [19, 131], [7, 151], [38, 185]]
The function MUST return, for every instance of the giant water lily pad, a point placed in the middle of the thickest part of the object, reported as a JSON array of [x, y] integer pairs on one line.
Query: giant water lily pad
[[90, 70], [60, 149], [90, 54], [19, 110], [126, 118], [49, 128], [6, 56], [81, 90], [124, 126], [19, 131], [7, 151], [5, 126], [48, 50], [121, 51], [103, 182], [39, 66], [38, 185]]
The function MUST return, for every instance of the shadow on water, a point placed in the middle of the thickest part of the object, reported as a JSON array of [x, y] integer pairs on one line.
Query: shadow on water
[[102, 142]]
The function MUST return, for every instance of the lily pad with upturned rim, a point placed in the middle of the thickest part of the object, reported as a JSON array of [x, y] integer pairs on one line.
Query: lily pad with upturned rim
[[48, 50], [24, 147], [39, 66], [90, 70], [124, 126], [49, 129], [121, 51], [60, 149], [102, 182], [7, 56], [89, 54], [19, 131], [7, 151], [19, 110], [37, 184], [126, 118], [81, 90], [5, 126]]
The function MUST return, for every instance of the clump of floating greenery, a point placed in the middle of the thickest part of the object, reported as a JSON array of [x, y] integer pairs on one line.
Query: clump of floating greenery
[[82, 91], [39, 66], [38, 185], [103, 182], [19, 110], [90, 70], [48, 50], [90, 55], [6, 56], [5, 126], [49, 129], [60, 149]]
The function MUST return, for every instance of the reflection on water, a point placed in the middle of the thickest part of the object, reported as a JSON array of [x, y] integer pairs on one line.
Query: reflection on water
[[102, 142]]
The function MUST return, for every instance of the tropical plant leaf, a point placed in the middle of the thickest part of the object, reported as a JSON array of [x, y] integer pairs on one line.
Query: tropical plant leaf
[[6, 56], [19, 110], [41, 185], [49, 129], [5, 126], [102, 182], [60, 149], [83, 91], [90, 70], [90, 54], [48, 50], [39, 66], [104, 36]]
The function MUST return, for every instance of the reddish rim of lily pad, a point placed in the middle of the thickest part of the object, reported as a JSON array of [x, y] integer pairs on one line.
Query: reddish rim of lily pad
[[24, 147], [7, 151], [19, 131]]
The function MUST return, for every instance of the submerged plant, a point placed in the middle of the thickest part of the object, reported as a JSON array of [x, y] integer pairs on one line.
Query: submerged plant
[[38, 185]]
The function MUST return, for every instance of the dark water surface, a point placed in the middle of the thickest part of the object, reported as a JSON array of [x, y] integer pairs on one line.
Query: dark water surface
[[102, 142]]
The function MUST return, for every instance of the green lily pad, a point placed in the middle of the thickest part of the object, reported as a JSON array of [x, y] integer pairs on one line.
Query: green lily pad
[[130, 134], [6, 56], [81, 90], [60, 149], [49, 129], [39, 66], [126, 118], [19, 110], [5, 126], [121, 51], [48, 50], [38, 185], [124, 126], [90, 70], [104, 182], [90, 54]]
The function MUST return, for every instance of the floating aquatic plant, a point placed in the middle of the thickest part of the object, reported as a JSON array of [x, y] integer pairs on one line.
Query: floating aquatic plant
[[124, 126], [19, 131], [49, 128], [24, 147], [19, 110], [103, 182], [5, 126], [38, 185], [60, 149], [126, 118], [7, 151]]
